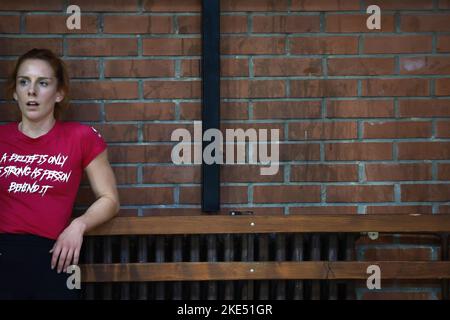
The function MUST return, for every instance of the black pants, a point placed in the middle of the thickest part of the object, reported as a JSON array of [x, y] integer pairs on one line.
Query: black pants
[[25, 270]]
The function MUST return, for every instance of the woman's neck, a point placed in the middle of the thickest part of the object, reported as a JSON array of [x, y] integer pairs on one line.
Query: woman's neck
[[34, 129]]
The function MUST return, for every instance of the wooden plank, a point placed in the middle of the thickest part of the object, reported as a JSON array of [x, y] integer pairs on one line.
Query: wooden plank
[[268, 224], [198, 271]]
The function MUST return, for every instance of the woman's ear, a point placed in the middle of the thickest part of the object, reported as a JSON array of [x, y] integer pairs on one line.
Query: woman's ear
[[15, 96], [59, 96]]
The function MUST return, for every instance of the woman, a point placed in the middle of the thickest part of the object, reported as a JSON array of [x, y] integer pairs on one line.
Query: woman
[[41, 164]]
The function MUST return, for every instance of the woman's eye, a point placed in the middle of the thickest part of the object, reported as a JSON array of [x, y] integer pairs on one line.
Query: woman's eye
[[22, 82], [43, 83]]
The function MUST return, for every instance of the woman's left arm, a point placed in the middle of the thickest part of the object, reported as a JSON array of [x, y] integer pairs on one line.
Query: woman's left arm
[[101, 177]]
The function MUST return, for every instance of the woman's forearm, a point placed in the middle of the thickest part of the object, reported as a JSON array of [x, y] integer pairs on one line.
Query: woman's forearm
[[102, 210]]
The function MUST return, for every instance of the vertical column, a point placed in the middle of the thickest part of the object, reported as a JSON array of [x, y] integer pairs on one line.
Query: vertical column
[[210, 98]]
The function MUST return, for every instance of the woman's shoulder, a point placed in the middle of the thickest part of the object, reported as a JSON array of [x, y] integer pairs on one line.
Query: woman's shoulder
[[76, 126], [79, 129], [6, 128]]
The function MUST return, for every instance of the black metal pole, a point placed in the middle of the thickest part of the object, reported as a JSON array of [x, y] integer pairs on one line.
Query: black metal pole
[[210, 98]]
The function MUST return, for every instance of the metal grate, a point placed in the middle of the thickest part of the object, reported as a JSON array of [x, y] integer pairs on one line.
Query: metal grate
[[218, 248]]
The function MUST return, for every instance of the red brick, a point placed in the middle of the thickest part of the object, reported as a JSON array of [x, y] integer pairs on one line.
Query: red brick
[[252, 88], [57, 24], [189, 24], [424, 108], [228, 111], [397, 130], [360, 108], [163, 131], [171, 46], [228, 68], [254, 5], [10, 24], [324, 172], [425, 23], [425, 65], [171, 174], [286, 109], [443, 43], [228, 24], [444, 4], [107, 5], [6, 67], [403, 4], [358, 151], [9, 111], [324, 5], [125, 175], [83, 112], [118, 132], [132, 196], [256, 126], [104, 90], [283, 194], [133, 153], [139, 68], [18, 46], [248, 173], [146, 195], [102, 47], [395, 87], [323, 88], [425, 192], [443, 129], [357, 23], [324, 210], [82, 68], [234, 67], [172, 89], [233, 24], [122, 111], [423, 150], [252, 45], [31, 5], [442, 87], [287, 67], [322, 130], [397, 44], [392, 209], [361, 66], [228, 194], [172, 5], [398, 171], [296, 151], [286, 24], [137, 24], [324, 45], [360, 193], [443, 171]]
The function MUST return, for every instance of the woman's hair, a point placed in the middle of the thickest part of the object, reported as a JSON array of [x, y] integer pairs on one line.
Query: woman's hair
[[59, 68]]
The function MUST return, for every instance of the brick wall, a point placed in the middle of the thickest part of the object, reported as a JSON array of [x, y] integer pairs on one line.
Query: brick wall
[[363, 114]]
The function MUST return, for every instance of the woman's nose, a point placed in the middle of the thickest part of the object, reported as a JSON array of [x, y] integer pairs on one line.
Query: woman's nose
[[31, 91]]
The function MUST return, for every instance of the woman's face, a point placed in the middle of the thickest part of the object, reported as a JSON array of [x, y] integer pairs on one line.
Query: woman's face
[[36, 89]]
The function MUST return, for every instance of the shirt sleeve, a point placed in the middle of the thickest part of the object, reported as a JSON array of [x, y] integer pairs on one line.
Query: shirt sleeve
[[92, 144]]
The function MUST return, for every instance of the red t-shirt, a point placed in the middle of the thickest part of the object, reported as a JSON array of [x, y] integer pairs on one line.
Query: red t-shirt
[[39, 177]]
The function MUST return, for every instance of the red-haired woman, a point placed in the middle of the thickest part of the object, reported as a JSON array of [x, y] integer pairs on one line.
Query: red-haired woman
[[42, 160]]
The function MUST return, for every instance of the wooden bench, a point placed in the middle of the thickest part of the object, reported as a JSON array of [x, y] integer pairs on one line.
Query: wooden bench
[[330, 269]]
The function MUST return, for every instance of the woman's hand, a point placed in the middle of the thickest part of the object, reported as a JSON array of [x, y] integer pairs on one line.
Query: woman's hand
[[67, 248]]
